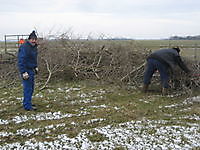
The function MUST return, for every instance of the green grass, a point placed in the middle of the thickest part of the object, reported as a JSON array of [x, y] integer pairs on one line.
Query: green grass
[[96, 137], [156, 44], [189, 48], [102, 104]]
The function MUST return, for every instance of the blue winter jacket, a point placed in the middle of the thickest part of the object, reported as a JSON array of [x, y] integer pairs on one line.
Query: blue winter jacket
[[27, 57]]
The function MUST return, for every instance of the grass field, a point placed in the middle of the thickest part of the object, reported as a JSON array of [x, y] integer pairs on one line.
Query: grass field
[[92, 115], [188, 46], [155, 44], [89, 115]]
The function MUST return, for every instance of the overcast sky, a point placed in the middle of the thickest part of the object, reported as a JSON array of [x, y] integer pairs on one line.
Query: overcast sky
[[138, 19]]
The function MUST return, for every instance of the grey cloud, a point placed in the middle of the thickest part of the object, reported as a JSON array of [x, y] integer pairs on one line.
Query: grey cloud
[[101, 6]]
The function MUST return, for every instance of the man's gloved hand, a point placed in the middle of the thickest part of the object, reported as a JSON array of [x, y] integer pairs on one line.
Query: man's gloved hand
[[25, 76], [36, 70]]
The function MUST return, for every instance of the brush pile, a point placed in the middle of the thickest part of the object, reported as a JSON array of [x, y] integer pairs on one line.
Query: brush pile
[[114, 61]]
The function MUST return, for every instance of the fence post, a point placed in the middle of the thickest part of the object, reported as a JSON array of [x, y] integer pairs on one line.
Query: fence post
[[18, 41], [5, 44], [195, 52]]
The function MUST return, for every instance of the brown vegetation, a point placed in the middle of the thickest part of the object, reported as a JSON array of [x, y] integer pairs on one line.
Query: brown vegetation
[[108, 60], [112, 61]]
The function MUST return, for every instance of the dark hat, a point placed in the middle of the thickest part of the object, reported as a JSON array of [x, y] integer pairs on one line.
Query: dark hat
[[32, 36]]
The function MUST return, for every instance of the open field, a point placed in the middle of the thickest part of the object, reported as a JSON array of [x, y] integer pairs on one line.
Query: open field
[[155, 44], [190, 48], [88, 115]]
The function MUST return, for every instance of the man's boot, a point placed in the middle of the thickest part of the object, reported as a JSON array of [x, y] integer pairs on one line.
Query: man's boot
[[165, 91], [145, 88]]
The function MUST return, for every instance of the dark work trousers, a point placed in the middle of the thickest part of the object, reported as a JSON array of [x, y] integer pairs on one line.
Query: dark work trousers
[[152, 66], [28, 88]]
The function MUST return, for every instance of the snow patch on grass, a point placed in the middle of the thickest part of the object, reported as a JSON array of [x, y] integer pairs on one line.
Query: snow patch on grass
[[95, 121], [145, 134], [42, 116]]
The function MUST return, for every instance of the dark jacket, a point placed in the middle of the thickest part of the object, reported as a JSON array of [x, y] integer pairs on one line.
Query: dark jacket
[[170, 58], [27, 57]]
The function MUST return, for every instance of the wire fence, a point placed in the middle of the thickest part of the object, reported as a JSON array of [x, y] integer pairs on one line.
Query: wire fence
[[12, 42]]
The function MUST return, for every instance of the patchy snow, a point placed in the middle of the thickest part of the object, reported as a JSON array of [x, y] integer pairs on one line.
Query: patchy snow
[[95, 120], [55, 126], [42, 116], [4, 101], [82, 95], [145, 101], [195, 99], [39, 95], [85, 101], [19, 98], [50, 91], [189, 100], [145, 134], [4, 122], [193, 117], [26, 132], [172, 106], [116, 108], [5, 134], [71, 89], [74, 123], [30, 131], [99, 106], [5, 93], [86, 97]]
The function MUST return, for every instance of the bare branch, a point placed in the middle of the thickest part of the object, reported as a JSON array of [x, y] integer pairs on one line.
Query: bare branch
[[49, 77]]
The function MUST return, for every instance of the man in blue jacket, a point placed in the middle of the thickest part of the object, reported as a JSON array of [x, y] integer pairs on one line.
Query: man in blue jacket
[[163, 60], [27, 65]]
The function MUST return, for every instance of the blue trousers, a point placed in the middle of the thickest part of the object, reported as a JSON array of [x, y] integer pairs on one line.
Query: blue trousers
[[28, 89], [152, 66]]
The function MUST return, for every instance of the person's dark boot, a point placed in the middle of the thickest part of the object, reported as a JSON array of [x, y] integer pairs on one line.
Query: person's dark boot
[[34, 108], [145, 88]]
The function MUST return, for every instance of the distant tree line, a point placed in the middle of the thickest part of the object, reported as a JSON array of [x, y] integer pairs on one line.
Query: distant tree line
[[197, 37]]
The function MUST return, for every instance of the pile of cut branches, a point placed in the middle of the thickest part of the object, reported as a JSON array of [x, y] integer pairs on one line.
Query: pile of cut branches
[[108, 60], [113, 61]]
